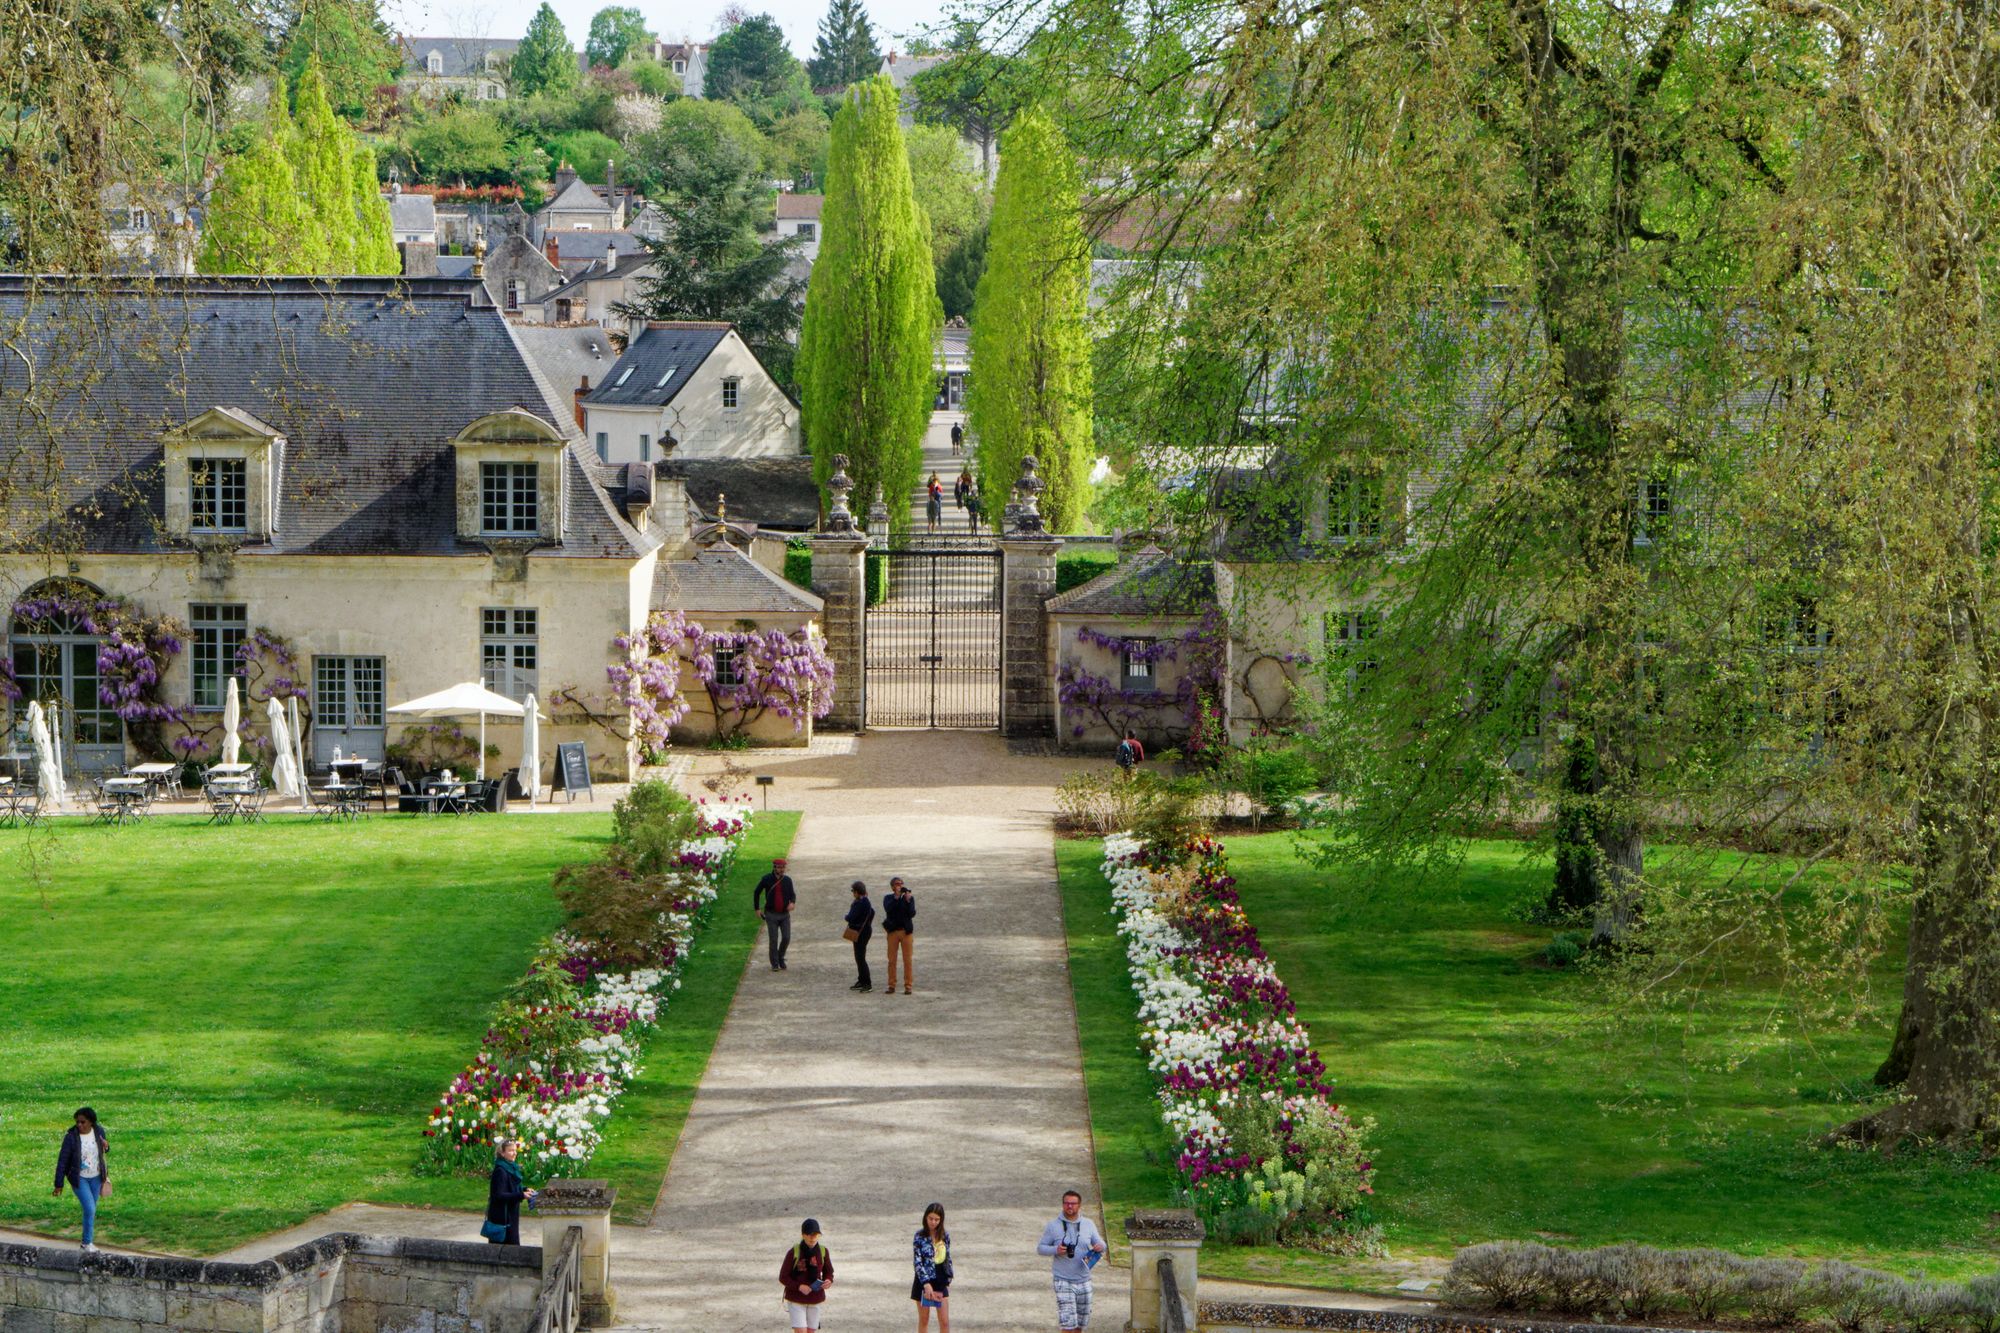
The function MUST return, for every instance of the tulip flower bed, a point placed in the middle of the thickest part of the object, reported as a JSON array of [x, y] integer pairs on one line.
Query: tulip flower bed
[[560, 1054], [1264, 1152]]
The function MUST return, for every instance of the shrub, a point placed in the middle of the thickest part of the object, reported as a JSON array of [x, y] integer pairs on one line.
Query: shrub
[[1564, 950], [1637, 1280], [1076, 568], [1851, 1299], [1095, 802], [538, 1023], [876, 570], [799, 565], [1272, 770], [1707, 1281], [1498, 1275], [1169, 815], [1927, 1307], [649, 825], [1979, 1305], [623, 915], [1774, 1292]]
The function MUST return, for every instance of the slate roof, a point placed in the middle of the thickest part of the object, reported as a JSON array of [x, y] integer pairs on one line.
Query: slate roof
[[1147, 583], [658, 363], [565, 353], [412, 212], [773, 493], [454, 266], [578, 197], [460, 56], [369, 379], [721, 579], [574, 247]]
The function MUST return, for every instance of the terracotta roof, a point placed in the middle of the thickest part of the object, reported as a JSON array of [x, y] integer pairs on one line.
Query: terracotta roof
[[805, 206]]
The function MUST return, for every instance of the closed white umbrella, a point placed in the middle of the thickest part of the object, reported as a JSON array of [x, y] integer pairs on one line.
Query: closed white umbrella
[[467, 699], [48, 773], [531, 747], [299, 752], [284, 768], [232, 718]]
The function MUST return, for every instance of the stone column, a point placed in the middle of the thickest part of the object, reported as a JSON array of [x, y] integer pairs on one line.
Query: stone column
[[563, 1204], [1028, 578], [840, 577], [1169, 1233]]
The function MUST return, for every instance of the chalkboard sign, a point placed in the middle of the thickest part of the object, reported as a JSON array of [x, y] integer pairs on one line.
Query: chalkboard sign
[[573, 770]]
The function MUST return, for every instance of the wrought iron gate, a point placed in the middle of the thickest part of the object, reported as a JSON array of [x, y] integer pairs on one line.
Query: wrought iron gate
[[933, 638]]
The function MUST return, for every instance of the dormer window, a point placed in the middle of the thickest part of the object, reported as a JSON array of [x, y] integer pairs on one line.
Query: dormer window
[[1353, 506], [508, 503], [218, 495], [434, 63]]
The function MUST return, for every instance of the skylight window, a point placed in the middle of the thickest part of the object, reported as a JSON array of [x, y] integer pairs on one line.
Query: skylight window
[[622, 378], [665, 375]]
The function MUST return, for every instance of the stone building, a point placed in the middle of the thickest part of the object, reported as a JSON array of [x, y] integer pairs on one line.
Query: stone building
[[689, 389]]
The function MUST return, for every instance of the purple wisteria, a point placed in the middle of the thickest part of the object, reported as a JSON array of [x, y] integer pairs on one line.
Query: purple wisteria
[[746, 674]]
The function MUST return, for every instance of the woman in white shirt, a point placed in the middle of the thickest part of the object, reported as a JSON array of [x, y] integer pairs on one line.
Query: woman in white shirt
[[81, 1164]]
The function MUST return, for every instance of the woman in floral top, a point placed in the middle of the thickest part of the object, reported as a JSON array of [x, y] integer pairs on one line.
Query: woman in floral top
[[931, 1290]]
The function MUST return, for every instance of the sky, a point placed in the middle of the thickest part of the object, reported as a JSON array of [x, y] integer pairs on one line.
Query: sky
[[695, 18]]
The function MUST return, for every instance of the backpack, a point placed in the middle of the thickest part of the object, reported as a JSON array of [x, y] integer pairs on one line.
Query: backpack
[[1128, 754]]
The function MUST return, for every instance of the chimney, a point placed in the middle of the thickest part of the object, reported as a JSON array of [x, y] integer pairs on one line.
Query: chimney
[[565, 175], [610, 176], [420, 259], [552, 250], [582, 391]]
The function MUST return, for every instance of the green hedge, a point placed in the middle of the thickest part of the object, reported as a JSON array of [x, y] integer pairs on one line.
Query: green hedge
[[799, 570], [1080, 567]]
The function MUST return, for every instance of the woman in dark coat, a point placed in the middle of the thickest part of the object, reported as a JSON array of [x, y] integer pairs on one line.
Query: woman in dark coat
[[860, 926], [931, 1290], [80, 1164], [505, 1191]]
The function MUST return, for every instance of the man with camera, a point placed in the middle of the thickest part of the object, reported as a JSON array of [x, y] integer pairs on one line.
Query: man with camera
[[1073, 1244]]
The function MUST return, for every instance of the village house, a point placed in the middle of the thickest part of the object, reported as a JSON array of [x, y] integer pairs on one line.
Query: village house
[[689, 389], [287, 462], [592, 296], [688, 61], [474, 68], [798, 215]]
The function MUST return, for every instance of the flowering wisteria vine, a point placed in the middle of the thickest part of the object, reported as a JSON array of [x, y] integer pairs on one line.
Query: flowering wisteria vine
[[558, 1107], [1241, 1086], [1195, 696], [790, 674], [132, 654]]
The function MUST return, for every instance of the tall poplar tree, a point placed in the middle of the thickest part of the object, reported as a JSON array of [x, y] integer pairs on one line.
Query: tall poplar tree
[[872, 315], [544, 62], [845, 52], [375, 240], [1030, 328], [257, 221], [322, 150]]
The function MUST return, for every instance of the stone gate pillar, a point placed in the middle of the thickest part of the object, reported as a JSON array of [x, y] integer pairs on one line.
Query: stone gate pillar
[[840, 578], [563, 1204], [1027, 577], [1166, 1233]]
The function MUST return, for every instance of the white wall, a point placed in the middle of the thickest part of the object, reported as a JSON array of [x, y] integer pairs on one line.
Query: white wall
[[790, 227], [621, 428], [764, 423]]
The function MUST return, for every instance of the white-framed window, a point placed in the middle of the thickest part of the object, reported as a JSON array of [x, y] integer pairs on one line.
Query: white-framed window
[[217, 630], [434, 63], [509, 499], [1135, 666], [1348, 657], [808, 230], [137, 219], [1353, 506], [581, 226], [645, 448], [680, 67], [509, 650], [604, 446], [513, 293], [218, 495], [725, 669], [731, 389]]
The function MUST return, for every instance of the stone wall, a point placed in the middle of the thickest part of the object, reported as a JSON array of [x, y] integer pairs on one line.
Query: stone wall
[[1027, 676], [339, 1283], [838, 577]]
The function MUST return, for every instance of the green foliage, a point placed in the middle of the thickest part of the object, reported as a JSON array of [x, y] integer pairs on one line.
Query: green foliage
[[462, 147], [872, 315], [586, 151], [653, 78], [1076, 568], [845, 52], [977, 92], [875, 572], [1566, 949], [1273, 769], [544, 62], [619, 910], [959, 271], [615, 32], [537, 1024], [258, 221], [948, 188], [1030, 336], [322, 153], [375, 234], [353, 47], [751, 66], [796, 147], [650, 824], [799, 565]]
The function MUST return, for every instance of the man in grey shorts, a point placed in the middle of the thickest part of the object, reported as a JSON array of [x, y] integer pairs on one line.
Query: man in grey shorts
[[1073, 1244]]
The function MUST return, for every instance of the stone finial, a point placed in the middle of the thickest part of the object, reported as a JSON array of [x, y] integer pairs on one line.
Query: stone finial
[[1025, 513], [722, 506], [878, 518], [479, 252], [839, 518]]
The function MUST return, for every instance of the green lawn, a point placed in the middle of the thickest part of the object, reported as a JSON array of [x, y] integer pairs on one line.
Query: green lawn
[[263, 1015], [1435, 1018]]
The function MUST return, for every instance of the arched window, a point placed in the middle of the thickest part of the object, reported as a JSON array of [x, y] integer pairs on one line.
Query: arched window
[[53, 654]]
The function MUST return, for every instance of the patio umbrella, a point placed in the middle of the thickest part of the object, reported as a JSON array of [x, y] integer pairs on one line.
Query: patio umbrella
[[531, 747], [468, 699], [299, 751], [48, 773], [232, 718], [284, 768]]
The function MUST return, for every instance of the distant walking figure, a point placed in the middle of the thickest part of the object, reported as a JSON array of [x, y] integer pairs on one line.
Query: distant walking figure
[[934, 502], [80, 1162], [860, 926], [957, 437], [773, 899], [505, 1193], [1073, 1244], [931, 1290], [899, 922], [805, 1274], [962, 490], [1130, 752]]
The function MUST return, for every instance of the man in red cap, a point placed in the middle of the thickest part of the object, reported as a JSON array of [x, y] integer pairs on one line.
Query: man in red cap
[[773, 899]]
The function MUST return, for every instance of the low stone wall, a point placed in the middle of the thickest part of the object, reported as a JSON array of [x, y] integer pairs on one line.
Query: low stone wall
[[1245, 1316], [339, 1283]]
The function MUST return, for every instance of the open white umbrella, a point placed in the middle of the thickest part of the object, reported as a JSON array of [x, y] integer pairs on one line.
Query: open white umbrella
[[284, 768], [467, 699], [299, 753], [531, 747], [48, 773], [232, 718]]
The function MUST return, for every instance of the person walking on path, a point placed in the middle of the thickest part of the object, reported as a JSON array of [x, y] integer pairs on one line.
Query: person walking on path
[[899, 922], [773, 899], [934, 502], [957, 438], [80, 1162], [931, 1289], [1130, 753], [1074, 1247], [974, 509], [962, 491], [860, 926], [805, 1274], [505, 1192]]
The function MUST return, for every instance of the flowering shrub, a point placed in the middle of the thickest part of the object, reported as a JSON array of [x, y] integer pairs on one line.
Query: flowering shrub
[[1194, 700], [1265, 1151], [766, 671], [131, 657], [568, 1039]]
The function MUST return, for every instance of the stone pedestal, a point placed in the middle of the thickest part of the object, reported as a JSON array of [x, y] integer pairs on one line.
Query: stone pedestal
[[1174, 1233], [1027, 675], [840, 578], [563, 1204]]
